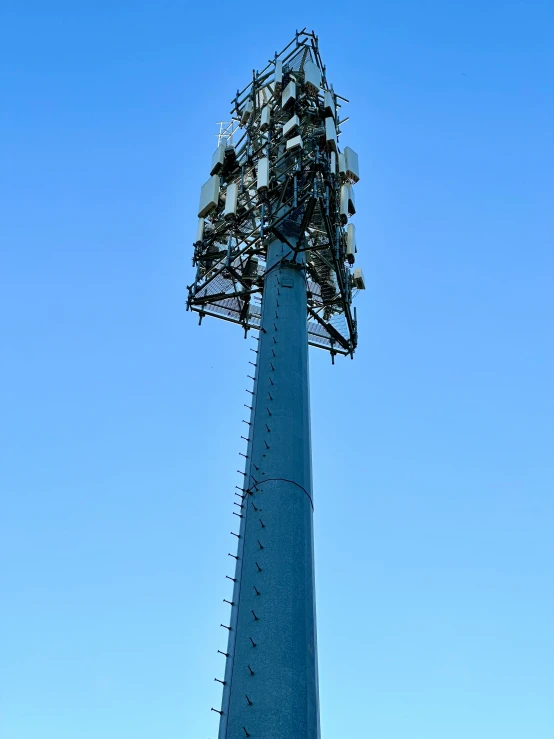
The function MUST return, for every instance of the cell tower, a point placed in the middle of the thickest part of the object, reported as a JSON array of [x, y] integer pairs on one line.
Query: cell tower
[[275, 253]]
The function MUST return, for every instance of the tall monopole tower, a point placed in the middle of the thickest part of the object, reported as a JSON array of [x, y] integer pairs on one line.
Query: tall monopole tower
[[275, 253]]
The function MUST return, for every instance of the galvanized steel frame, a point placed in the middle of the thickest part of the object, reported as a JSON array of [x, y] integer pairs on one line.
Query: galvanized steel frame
[[304, 186]]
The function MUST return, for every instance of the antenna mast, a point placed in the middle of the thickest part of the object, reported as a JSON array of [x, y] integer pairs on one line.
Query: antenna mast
[[274, 253]]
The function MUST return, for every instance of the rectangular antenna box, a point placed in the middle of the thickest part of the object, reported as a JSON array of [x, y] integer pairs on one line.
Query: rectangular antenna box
[[351, 164], [329, 103], [231, 200], [295, 143], [342, 166], [351, 243], [218, 159], [331, 133], [209, 196], [246, 111], [358, 278], [278, 76], [312, 77], [289, 94], [265, 118], [263, 174], [290, 125]]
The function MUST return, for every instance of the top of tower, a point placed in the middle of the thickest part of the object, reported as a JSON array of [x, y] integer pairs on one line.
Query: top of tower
[[279, 170]]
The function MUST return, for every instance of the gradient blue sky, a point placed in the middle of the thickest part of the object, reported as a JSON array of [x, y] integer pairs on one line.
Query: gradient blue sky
[[120, 419]]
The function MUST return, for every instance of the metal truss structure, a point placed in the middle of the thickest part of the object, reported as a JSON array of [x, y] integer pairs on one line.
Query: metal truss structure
[[285, 177]]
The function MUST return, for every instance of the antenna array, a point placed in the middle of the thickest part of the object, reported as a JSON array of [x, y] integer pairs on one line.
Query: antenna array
[[279, 172]]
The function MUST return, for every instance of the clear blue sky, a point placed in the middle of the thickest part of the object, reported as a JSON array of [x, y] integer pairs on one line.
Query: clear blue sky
[[120, 419]]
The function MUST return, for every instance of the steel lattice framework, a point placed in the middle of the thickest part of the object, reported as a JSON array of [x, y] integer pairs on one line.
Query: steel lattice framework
[[287, 124]]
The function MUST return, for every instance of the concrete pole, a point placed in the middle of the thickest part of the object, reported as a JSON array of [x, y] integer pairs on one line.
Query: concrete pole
[[271, 679]]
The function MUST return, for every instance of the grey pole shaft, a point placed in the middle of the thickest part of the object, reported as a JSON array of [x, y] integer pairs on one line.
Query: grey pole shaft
[[271, 681]]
